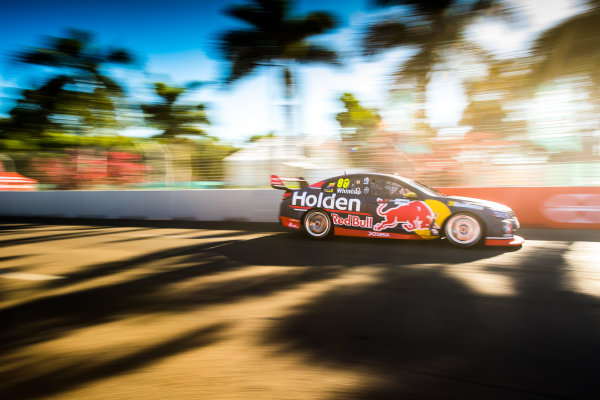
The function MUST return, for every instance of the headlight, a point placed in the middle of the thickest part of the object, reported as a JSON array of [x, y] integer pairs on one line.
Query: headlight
[[500, 214]]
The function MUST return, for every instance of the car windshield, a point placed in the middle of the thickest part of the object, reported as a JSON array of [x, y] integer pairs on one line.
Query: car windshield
[[426, 189]]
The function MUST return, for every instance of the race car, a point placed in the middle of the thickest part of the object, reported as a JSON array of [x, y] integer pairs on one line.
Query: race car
[[390, 206]]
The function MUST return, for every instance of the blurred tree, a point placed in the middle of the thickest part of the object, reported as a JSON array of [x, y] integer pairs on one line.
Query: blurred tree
[[209, 153], [32, 113], [357, 121], [79, 99], [566, 58], [490, 95], [175, 119], [358, 125], [255, 138], [275, 38], [570, 48], [432, 27]]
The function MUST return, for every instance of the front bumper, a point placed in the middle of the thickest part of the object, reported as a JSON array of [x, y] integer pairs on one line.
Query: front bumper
[[512, 241], [503, 234]]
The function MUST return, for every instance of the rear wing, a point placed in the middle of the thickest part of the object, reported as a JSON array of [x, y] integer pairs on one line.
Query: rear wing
[[278, 183]]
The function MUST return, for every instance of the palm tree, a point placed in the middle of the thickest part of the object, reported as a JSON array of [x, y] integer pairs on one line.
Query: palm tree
[[175, 119], [432, 27], [80, 96], [275, 38], [32, 113], [488, 97], [569, 48], [566, 50]]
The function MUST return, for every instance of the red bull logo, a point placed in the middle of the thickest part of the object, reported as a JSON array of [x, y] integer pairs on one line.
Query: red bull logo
[[353, 221], [410, 215]]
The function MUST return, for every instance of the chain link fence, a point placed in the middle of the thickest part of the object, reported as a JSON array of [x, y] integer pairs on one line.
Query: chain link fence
[[470, 161]]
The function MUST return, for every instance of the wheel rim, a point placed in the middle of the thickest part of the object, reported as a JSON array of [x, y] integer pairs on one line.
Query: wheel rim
[[464, 229], [317, 224]]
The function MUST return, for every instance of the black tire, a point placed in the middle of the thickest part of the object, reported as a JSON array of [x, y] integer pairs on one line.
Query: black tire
[[317, 224], [464, 230]]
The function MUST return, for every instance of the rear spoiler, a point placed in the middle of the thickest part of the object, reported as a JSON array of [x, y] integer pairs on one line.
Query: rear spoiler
[[278, 183]]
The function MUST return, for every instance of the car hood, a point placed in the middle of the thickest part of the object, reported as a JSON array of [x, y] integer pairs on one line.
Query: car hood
[[484, 203]]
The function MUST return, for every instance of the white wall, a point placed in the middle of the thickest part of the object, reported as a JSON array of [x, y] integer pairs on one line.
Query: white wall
[[254, 205]]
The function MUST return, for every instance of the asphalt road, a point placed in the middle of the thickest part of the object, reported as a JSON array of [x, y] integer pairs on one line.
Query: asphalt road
[[124, 310]]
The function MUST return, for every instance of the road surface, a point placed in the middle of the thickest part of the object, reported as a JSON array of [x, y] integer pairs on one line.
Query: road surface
[[125, 310]]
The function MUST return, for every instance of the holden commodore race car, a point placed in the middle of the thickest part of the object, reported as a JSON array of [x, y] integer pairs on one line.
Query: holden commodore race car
[[390, 206]]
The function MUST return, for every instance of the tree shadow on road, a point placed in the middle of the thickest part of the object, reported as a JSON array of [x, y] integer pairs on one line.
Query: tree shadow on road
[[41, 381], [291, 249], [42, 237], [415, 325], [431, 336]]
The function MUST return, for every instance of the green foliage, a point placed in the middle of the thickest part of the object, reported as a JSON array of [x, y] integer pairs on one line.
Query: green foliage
[[362, 120], [433, 28], [568, 49], [54, 144], [208, 155], [430, 26], [16, 145], [255, 138], [59, 141], [80, 99], [487, 96], [175, 119], [358, 126], [274, 36]]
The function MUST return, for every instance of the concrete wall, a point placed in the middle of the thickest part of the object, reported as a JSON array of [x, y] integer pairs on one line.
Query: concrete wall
[[201, 205], [552, 207]]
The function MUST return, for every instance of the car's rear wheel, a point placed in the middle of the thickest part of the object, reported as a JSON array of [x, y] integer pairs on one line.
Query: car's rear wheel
[[464, 230], [317, 224]]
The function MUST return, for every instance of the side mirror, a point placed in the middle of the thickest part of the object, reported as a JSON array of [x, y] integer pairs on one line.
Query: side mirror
[[411, 195]]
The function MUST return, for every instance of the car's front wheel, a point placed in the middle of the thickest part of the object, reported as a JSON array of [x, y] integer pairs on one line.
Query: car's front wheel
[[464, 230], [317, 224]]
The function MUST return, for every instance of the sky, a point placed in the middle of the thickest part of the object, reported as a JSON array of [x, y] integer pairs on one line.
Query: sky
[[175, 42]]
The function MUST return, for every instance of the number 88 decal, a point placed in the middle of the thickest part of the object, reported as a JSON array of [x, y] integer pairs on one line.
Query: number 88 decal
[[343, 183]]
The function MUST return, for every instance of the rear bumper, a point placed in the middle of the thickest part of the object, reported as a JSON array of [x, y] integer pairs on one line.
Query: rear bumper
[[292, 223], [513, 241]]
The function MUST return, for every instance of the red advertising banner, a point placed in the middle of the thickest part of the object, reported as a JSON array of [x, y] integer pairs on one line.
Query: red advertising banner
[[553, 207]]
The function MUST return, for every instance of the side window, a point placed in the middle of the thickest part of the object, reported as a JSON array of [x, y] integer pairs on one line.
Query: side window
[[344, 185], [386, 188]]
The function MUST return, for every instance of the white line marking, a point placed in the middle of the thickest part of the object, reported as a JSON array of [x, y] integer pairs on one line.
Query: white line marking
[[24, 276], [219, 245]]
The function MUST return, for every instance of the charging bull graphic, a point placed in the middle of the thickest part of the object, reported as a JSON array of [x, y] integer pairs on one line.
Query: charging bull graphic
[[411, 215]]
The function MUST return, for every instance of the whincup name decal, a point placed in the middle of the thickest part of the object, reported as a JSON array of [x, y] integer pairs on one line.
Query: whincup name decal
[[349, 191]]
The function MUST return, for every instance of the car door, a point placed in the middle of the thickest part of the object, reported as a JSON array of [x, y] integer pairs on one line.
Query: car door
[[396, 208], [344, 199]]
